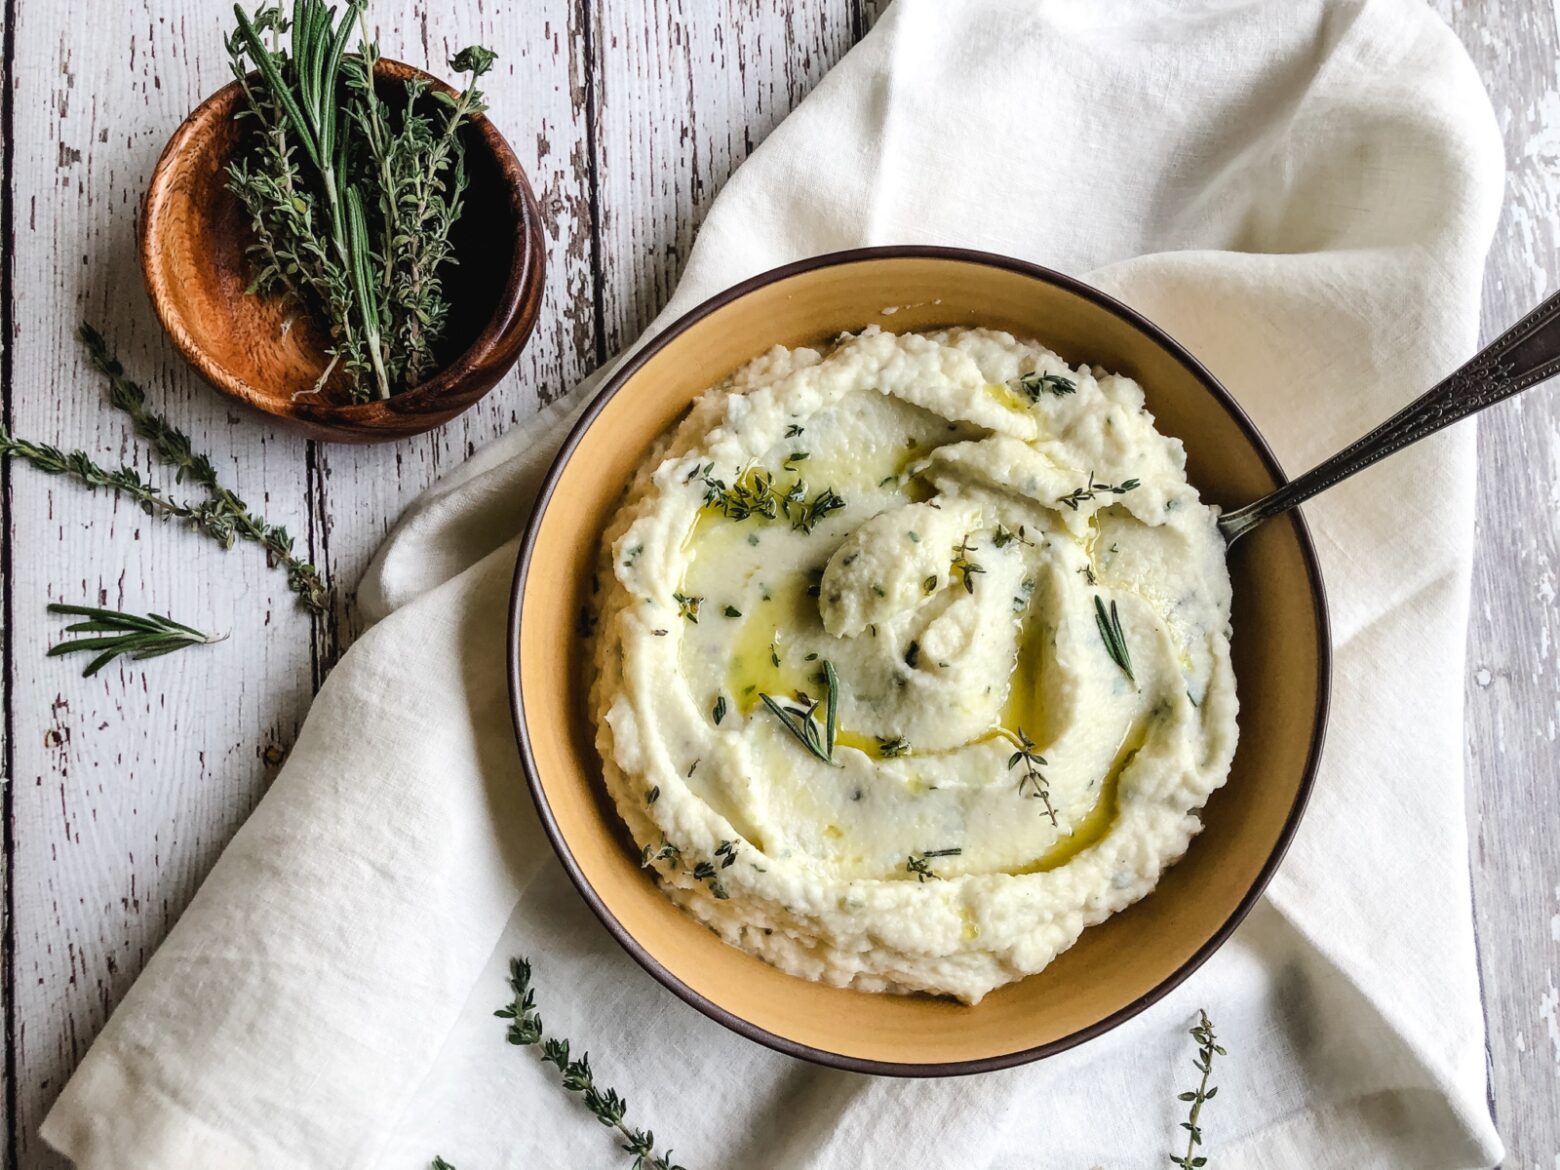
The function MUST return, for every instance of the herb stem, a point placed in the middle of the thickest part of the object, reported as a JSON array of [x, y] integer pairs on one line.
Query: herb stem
[[1207, 1047]]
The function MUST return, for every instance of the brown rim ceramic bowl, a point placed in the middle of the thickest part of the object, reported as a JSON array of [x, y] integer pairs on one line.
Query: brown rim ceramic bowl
[[1281, 654], [194, 233]]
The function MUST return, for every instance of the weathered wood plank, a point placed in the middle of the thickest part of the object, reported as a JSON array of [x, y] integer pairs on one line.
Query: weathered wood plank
[[1513, 701], [124, 787], [538, 96], [7, 949], [686, 90]]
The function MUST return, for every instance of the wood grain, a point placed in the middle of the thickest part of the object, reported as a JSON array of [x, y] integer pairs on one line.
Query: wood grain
[[628, 115], [1513, 695]]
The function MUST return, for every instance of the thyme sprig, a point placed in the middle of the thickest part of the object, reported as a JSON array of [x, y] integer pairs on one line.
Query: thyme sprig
[[1080, 495], [224, 516], [1032, 782], [892, 747], [1035, 384], [1207, 1047], [920, 863], [755, 493], [1109, 625], [525, 1030], [962, 565], [800, 719], [124, 633]]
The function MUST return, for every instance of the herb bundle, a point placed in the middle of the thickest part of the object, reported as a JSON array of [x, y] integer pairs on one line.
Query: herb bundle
[[351, 203]]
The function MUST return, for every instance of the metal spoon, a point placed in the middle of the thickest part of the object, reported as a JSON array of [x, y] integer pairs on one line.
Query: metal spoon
[[1523, 356]]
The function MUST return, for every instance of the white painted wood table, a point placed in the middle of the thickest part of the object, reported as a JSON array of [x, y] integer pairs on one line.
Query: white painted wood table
[[628, 114]]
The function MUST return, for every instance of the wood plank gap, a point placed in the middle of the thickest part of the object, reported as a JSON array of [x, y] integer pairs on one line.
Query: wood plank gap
[[325, 647], [7, 601], [598, 293]]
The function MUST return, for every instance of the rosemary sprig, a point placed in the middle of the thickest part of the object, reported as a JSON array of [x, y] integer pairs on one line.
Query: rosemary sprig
[[1115, 641], [224, 516], [920, 863], [1032, 782], [525, 1031], [1079, 495], [1035, 384], [124, 633], [800, 720], [1207, 1047]]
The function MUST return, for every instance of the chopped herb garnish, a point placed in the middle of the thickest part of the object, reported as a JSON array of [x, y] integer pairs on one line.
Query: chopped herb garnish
[[688, 607], [1110, 633], [1005, 536], [893, 747], [1035, 384], [963, 565], [920, 863], [732, 611], [653, 795], [930, 584], [718, 712], [793, 430]]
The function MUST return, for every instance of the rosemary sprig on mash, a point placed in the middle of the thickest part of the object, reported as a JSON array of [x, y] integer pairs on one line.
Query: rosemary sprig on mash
[[525, 1031], [800, 719], [1110, 633], [1207, 1046]]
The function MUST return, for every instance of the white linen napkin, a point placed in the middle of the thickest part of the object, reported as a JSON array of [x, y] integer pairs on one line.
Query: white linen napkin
[[1303, 194]]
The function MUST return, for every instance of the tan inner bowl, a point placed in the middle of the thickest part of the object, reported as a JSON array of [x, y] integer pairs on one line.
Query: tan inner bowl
[[1115, 968]]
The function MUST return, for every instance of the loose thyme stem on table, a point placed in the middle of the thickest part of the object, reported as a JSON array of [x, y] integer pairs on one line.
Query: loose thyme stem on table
[[1207, 1046], [525, 1030], [224, 516]]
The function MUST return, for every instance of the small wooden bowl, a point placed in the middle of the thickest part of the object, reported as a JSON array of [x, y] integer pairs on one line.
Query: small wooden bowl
[[194, 233], [1281, 652]]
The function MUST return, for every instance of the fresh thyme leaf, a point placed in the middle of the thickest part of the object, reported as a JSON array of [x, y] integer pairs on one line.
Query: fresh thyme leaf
[[653, 795], [688, 607], [930, 584], [1115, 641], [124, 633], [1079, 495], [732, 611], [824, 503], [439, 1163], [1032, 782], [965, 567], [920, 863], [1005, 536], [891, 747], [794, 430], [1036, 384], [525, 1030], [1207, 1047], [719, 711], [727, 852]]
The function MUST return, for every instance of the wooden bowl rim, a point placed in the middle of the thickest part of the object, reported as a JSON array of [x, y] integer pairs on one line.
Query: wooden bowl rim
[[649, 962], [505, 333]]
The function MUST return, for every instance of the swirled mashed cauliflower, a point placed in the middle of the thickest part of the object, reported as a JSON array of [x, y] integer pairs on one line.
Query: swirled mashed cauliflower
[[913, 658]]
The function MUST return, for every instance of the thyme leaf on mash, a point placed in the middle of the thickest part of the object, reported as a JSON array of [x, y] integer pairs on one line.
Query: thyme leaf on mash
[[525, 1031], [920, 863], [1110, 633], [891, 747], [1079, 495], [962, 564], [754, 493], [688, 607], [1032, 782], [1035, 384], [800, 718]]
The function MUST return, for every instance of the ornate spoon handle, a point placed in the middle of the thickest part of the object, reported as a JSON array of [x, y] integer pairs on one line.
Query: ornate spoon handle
[[1526, 354]]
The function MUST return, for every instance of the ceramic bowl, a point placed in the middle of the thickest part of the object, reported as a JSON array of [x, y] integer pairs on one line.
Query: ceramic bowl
[[1281, 658], [194, 234]]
